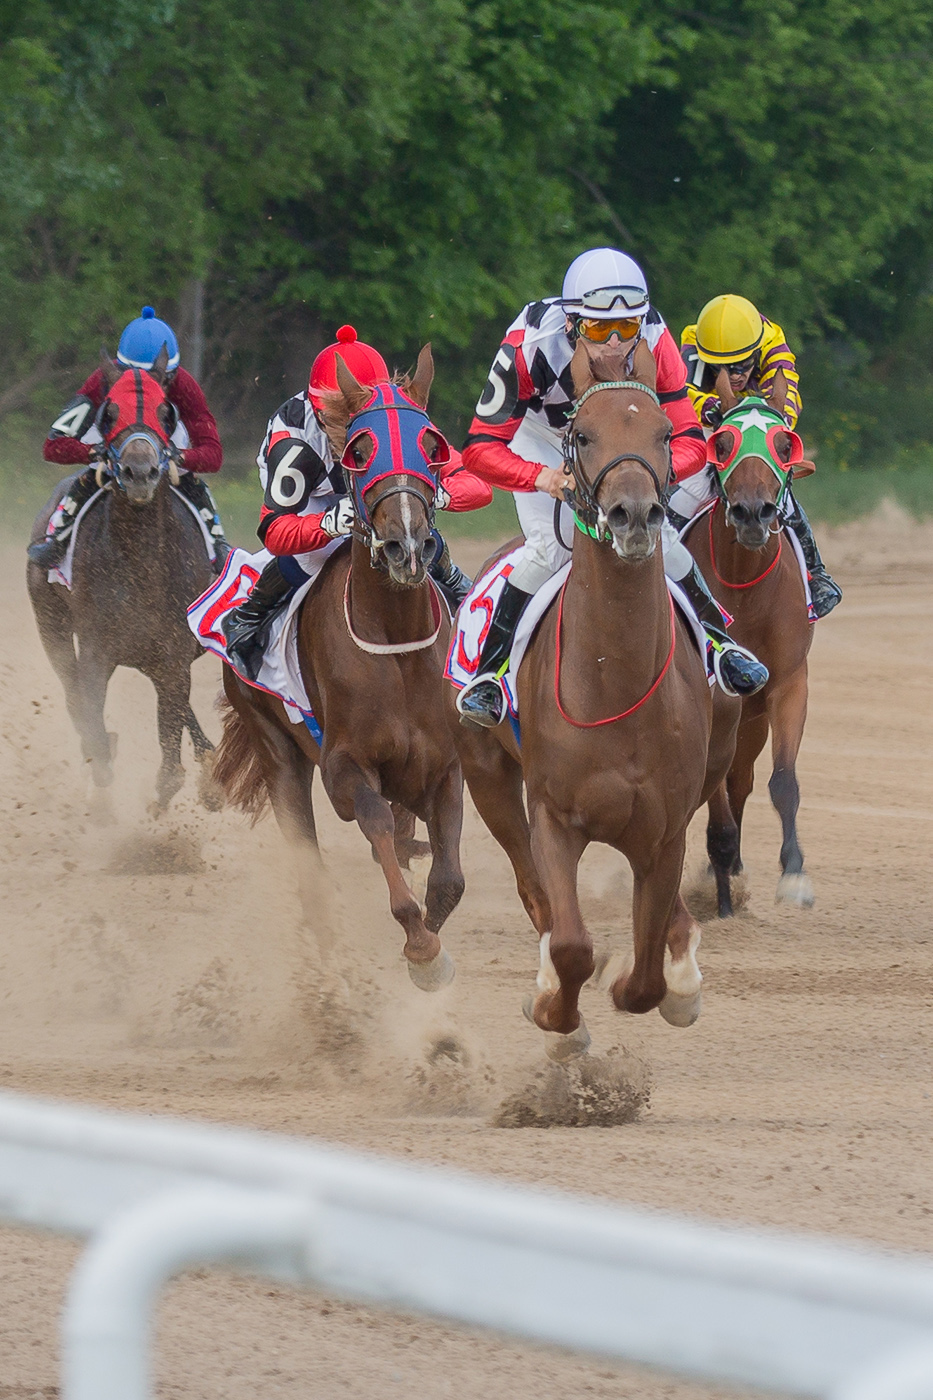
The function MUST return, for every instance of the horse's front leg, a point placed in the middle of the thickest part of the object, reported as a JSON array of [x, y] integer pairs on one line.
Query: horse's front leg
[[354, 795], [568, 958], [97, 746], [444, 823], [787, 711], [173, 693], [722, 847], [657, 892]]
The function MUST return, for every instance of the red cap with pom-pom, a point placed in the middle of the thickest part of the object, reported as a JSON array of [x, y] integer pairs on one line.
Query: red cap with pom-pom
[[364, 363]]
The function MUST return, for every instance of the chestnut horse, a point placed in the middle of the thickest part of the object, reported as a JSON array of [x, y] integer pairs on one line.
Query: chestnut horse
[[372, 638], [139, 559], [621, 739], [750, 565]]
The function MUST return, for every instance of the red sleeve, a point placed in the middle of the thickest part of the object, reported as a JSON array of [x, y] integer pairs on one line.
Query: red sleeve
[[494, 462], [688, 444], [506, 397], [205, 453], [69, 451], [292, 534], [466, 491]]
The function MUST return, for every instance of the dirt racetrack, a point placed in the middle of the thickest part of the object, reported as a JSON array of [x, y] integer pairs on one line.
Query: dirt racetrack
[[161, 967]]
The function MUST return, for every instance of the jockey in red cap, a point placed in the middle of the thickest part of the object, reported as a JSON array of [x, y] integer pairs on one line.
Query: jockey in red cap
[[306, 506]]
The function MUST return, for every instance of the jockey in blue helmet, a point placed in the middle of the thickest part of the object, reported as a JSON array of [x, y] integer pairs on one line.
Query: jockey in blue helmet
[[73, 438]]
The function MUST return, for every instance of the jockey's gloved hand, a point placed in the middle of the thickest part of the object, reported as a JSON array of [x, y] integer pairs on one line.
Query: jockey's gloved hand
[[339, 519], [441, 497]]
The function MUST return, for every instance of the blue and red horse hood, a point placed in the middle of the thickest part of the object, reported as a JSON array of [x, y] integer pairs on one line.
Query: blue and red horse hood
[[137, 398], [397, 427]]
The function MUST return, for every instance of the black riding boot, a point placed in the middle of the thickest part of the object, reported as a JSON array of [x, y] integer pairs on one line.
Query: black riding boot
[[48, 553], [824, 590], [482, 702], [738, 672], [196, 490], [450, 579], [246, 628]]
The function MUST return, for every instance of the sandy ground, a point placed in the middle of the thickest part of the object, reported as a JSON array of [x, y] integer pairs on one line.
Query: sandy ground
[[161, 967]]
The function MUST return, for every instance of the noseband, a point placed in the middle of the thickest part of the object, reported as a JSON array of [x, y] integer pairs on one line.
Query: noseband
[[584, 499]]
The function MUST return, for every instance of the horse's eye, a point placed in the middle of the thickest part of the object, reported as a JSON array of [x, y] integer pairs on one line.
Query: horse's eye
[[357, 455], [582, 439]]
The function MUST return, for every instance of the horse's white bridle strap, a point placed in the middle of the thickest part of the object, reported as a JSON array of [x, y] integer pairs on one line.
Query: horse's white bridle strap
[[394, 648]]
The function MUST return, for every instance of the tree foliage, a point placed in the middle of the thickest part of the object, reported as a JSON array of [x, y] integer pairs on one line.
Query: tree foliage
[[423, 168]]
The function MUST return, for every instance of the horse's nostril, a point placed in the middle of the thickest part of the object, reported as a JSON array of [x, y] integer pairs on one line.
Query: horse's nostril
[[655, 517], [740, 514], [395, 552], [767, 513], [428, 550]]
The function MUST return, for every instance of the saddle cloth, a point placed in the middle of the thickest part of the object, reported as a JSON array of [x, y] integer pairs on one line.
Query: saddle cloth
[[280, 673], [473, 618], [788, 535], [63, 573]]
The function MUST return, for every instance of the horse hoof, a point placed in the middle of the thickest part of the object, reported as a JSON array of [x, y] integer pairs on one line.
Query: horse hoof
[[795, 889], [561, 1049], [210, 794], [557, 1047], [432, 976], [680, 1010]]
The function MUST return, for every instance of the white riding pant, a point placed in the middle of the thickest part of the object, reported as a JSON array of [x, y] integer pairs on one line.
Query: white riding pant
[[692, 493]]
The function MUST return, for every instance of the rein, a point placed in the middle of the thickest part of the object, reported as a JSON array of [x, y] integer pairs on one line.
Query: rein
[[584, 499], [612, 719], [393, 648], [751, 584]]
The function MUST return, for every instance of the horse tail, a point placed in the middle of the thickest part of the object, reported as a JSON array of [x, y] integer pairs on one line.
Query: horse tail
[[236, 765]]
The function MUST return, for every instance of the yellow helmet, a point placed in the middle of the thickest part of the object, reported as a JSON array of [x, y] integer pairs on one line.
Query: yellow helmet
[[729, 330]]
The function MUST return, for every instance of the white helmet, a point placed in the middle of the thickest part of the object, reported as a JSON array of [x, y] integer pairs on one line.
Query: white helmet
[[606, 284]]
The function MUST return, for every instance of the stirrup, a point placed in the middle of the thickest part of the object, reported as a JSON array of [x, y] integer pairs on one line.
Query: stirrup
[[476, 717], [732, 648]]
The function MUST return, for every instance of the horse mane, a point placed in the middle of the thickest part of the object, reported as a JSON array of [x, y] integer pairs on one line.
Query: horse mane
[[337, 414]]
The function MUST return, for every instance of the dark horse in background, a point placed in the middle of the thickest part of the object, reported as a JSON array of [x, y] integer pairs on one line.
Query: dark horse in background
[[139, 559], [372, 642]]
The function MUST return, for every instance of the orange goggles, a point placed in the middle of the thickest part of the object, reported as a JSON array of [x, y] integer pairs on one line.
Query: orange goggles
[[598, 330]]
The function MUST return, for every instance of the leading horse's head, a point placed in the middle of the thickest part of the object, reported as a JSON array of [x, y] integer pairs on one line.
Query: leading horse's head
[[136, 422], [754, 455], [618, 447], [391, 454]]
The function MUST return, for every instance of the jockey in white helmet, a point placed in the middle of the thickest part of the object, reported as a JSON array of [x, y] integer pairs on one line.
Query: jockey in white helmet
[[516, 443]]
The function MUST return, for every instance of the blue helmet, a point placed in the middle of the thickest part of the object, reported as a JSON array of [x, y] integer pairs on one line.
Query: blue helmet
[[142, 340]]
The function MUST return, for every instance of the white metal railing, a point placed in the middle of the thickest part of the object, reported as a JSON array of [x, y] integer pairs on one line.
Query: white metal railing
[[157, 1196]]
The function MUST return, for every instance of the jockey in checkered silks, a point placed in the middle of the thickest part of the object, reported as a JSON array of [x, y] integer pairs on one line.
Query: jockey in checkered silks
[[516, 443]]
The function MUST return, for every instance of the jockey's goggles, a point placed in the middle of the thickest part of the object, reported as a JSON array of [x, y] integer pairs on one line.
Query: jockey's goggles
[[598, 330], [743, 367], [607, 298]]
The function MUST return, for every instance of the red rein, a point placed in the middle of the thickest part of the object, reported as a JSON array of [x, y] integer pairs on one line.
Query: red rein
[[724, 581], [595, 723]]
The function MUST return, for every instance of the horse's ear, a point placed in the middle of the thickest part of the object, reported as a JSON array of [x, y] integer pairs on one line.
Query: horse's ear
[[109, 368], [160, 365], [581, 371], [353, 392], [421, 380], [108, 418], [645, 366]]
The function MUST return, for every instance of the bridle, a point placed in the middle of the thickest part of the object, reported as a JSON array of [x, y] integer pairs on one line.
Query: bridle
[[589, 515], [140, 430]]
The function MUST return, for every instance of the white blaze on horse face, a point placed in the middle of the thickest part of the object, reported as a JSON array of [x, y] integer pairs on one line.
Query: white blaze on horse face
[[632, 408], [410, 542]]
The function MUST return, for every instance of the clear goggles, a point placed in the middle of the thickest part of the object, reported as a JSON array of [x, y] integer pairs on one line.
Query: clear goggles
[[607, 298]]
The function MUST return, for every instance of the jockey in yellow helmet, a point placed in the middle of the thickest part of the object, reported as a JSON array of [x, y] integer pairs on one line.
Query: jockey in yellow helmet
[[732, 336], [733, 352]]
